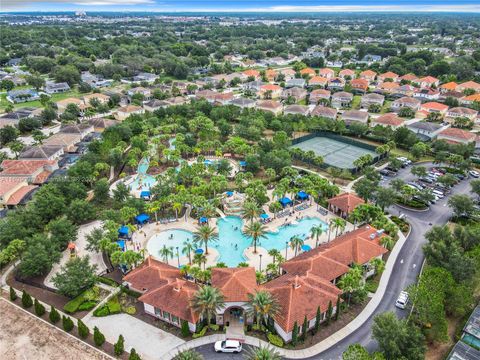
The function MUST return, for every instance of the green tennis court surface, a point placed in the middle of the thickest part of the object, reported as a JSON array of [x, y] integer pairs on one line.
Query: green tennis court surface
[[334, 152]]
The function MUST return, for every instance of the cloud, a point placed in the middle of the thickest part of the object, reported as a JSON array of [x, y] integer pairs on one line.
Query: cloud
[[15, 4]]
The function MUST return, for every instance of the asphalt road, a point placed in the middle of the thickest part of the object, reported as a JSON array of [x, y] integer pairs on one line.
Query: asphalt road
[[407, 268]]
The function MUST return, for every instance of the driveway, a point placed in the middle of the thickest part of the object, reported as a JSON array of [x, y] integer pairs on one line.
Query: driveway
[[150, 342]]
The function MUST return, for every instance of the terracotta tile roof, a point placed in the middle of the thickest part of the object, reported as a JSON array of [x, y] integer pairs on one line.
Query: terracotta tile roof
[[388, 75], [308, 71], [18, 195], [470, 85], [24, 167], [235, 283], [462, 111], [388, 86], [7, 183], [151, 274], [458, 134], [359, 83], [472, 98], [271, 87], [288, 71], [368, 73], [390, 119], [346, 202], [318, 80], [174, 297], [432, 105], [452, 85], [270, 72], [129, 108], [408, 100], [252, 72], [42, 177], [320, 93], [428, 79], [320, 110], [346, 72], [409, 77], [326, 72], [269, 104]]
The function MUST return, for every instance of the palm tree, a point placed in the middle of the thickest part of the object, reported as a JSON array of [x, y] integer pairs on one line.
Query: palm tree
[[255, 230], [165, 252], [203, 235], [250, 211], [316, 231], [187, 249], [206, 301], [200, 259], [378, 264], [351, 281], [338, 223], [262, 305], [387, 242], [274, 253], [189, 355], [296, 243], [262, 353]]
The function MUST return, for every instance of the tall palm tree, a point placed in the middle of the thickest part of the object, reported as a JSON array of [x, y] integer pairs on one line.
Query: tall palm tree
[[316, 231], [387, 242], [204, 235], [200, 259], [255, 230], [262, 305], [274, 253], [188, 249], [165, 252], [250, 211], [338, 223], [206, 301], [262, 353], [296, 243]]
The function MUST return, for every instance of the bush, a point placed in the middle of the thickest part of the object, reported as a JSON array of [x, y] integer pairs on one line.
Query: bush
[[39, 308], [83, 330], [101, 311], [13, 294], [402, 224], [26, 300], [371, 285], [200, 334], [73, 305], [214, 327], [54, 316], [131, 292], [98, 337], [119, 346], [134, 355], [185, 329], [67, 323], [107, 281], [87, 305], [112, 306], [275, 340], [130, 310]]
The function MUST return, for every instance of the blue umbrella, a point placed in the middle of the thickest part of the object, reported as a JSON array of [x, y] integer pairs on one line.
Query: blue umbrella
[[264, 216], [199, 251], [306, 247]]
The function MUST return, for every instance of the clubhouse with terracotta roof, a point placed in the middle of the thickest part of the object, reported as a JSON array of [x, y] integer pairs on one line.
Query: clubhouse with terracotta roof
[[307, 283]]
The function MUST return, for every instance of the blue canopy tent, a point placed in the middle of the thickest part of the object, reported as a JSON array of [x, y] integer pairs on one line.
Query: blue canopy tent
[[285, 201], [264, 216], [145, 194], [229, 193], [302, 195], [203, 220], [242, 163], [142, 218], [124, 231], [199, 251], [121, 243], [306, 247]]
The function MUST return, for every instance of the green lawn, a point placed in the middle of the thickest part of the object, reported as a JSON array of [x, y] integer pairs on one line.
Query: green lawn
[[356, 102], [55, 97], [386, 106]]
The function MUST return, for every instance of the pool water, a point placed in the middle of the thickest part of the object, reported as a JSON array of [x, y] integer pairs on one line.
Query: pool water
[[229, 233], [143, 181]]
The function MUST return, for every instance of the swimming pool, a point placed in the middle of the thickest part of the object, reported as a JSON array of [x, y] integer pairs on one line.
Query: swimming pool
[[143, 181], [229, 233]]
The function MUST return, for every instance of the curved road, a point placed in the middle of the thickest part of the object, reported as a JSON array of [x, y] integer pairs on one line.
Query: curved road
[[407, 268]]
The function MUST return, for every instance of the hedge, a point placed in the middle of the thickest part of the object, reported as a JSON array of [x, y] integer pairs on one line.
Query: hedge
[[87, 305], [275, 340], [110, 308], [107, 281], [131, 292], [75, 304]]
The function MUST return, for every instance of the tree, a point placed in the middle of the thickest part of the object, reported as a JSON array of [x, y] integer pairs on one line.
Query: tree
[[98, 337], [262, 305], [8, 134], [385, 197], [204, 235], [67, 73], [206, 301], [255, 230], [356, 352], [398, 339], [101, 191], [187, 249], [62, 231], [185, 329], [295, 334], [296, 243], [36, 81], [16, 147], [337, 309], [304, 328], [262, 353], [316, 231], [80, 211], [329, 313], [188, 355], [39, 308], [119, 346], [67, 323], [75, 276], [475, 187], [13, 294], [419, 171], [318, 320], [26, 300], [83, 330], [351, 282], [166, 252], [365, 188], [54, 316], [462, 205], [134, 356], [250, 211]]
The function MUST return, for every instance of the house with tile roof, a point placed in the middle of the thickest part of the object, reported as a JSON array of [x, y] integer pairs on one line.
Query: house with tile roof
[[426, 131], [47, 152], [469, 100], [295, 83], [125, 111], [36, 171], [408, 78], [372, 99], [13, 190], [307, 72], [270, 106], [389, 75], [319, 95], [100, 124], [317, 81], [66, 140], [461, 112], [427, 94], [271, 74], [343, 204], [296, 109], [288, 73], [324, 111], [469, 85], [434, 107], [296, 93], [271, 90], [347, 74], [450, 86], [456, 136], [359, 85], [406, 101], [390, 120], [428, 82], [342, 99], [336, 83], [326, 73], [252, 72], [352, 116], [368, 75], [243, 103]]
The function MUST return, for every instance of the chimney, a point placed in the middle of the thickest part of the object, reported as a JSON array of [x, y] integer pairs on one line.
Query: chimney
[[178, 284], [296, 285]]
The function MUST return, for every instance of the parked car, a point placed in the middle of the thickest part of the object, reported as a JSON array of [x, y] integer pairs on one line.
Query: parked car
[[474, 173], [391, 169], [386, 172], [228, 346], [402, 300], [426, 180], [459, 176], [438, 193]]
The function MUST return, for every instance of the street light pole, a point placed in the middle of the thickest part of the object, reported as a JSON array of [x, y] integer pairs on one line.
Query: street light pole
[[260, 262], [178, 256], [286, 250]]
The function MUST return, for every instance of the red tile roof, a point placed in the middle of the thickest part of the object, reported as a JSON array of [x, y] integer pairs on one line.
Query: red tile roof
[[24, 167], [235, 283], [318, 80], [458, 134], [388, 75], [252, 72], [346, 202], [452, 85], [432, 105], [151, 274], [368, 73], [18, 195], [308, 71], [390, 119]]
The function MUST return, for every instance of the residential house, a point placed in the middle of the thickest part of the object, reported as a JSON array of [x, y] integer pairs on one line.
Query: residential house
[[252, 73], [36, 171], [253, 85], [342, 99], [426, 94], [271, 75], [347, 74], [470, 100], [408, 78], [147, 93], [389, 75], [66, 140], [55, 88], [270, 106], [387, 87], [62, 104], [317, 81], [462, 351], [14, 190], [456, 136], [296, 109], [368, 75], [408, 102], [434, 107], [288, 74], [13, 118], [243, 103], [295, 83], [100, 124], [46, 152], [447, 87], [426, 131], [82, 129], [326, 73], [223, 98], [102, 98], [351, 116], [359, 85], [20, 96], [319, 95], [469, 85], [391, 120], [403, 90], [94, 80], [178, 100], [297, 93], [208, 95], [428, 82], [372, 99], [125, 111], [155, 104], [307, 72], [270, 91], [344, 204], [461, 112], [145, 77], [336, 83], [323, 111]]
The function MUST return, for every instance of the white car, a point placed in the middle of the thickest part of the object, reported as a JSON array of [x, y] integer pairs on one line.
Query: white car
[[474, 173], [402, 300], [228, 346]]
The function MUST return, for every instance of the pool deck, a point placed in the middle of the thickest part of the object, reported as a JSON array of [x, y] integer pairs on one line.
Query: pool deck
[[144, 234]]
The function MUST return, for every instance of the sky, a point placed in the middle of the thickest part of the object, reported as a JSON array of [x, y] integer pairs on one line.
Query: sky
[[471, 6]]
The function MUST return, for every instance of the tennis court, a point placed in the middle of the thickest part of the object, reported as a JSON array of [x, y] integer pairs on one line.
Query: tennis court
[[334, 152]]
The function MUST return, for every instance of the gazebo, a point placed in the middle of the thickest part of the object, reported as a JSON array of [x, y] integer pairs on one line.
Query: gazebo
[[124, 232], [121, 243], [285, 201], [302, 195], [203, 220], [142, 218], [145, 195]]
